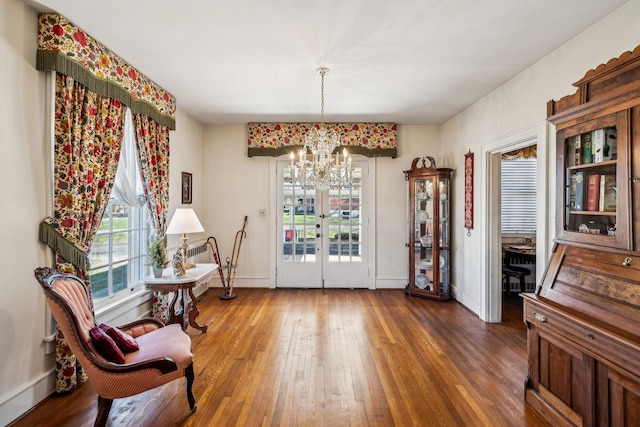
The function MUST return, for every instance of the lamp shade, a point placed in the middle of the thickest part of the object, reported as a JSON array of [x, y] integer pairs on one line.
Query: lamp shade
[[184, 221]]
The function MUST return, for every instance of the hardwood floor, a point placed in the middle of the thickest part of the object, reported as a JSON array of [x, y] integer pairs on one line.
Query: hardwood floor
[[332, 358]]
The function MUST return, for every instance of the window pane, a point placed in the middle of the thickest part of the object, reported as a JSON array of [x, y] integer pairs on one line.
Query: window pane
[[100, 283], [120, 277], [120, 246], [518, 183]]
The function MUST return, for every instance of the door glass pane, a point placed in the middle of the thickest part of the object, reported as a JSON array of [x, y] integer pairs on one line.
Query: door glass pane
[[298, 221], [345, 223]]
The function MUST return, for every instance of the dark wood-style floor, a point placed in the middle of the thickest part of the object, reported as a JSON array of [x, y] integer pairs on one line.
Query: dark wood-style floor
[[332, 358]]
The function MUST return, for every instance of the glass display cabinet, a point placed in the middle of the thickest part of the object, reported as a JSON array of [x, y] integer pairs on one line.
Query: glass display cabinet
[[429, 230]]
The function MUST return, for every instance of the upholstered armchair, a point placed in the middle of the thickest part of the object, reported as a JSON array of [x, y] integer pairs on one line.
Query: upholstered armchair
[[160, 353]]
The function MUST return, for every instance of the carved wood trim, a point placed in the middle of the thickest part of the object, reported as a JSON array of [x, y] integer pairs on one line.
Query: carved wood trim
[[616, 80]]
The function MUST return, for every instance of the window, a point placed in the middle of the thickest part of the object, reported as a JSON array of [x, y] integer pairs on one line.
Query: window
[[518, 182], [118, 252]]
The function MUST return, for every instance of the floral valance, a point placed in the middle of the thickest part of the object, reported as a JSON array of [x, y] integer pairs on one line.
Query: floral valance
[[65, 48], [369, 139], [530, 152]]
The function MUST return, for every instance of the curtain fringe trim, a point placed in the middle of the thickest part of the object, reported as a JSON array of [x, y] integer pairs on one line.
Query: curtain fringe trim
[[276, 152], [47, 60], [70, 252]]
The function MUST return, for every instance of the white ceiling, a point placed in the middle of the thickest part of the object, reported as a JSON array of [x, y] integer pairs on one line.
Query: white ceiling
[[403, 61]]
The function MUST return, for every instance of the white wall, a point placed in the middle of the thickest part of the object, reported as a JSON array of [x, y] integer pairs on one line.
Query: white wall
[[521, 103], [237, 185], [23, 172], [26, 372], [187, 145]]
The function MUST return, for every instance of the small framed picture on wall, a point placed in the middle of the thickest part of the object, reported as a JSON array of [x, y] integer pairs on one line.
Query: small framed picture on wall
[[187, 189]]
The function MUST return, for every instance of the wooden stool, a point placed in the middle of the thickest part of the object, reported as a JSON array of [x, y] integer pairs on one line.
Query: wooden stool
[[519, 273]]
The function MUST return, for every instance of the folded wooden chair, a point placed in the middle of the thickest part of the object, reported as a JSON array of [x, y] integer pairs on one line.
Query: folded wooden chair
[[163, 354]]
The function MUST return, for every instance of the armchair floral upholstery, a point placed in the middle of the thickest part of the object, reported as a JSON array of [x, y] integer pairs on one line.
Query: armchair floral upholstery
[[164, 352]]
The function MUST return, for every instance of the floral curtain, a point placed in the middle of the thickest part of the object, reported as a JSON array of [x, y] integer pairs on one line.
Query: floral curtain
[[93, 86], [152, 140], [369, 139], [88, 136]]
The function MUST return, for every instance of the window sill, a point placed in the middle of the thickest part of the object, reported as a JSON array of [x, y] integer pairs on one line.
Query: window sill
[[128, 307]]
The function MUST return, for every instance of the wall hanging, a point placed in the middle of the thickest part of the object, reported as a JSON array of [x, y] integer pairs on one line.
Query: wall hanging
[[468, 192]]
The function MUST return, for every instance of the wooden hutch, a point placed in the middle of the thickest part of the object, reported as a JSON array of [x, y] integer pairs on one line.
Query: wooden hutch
[[583, 321]]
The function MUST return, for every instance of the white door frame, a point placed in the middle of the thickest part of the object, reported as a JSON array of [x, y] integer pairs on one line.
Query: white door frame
[[490, 235], [370, 193]]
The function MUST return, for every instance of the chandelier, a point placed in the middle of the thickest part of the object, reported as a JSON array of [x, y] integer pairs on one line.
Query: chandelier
[[321, 171]]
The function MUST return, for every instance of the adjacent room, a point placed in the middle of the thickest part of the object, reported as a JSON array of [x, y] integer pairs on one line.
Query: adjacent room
[[250, 213]]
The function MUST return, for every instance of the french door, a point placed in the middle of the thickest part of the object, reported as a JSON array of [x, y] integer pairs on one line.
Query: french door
[[321, 235]]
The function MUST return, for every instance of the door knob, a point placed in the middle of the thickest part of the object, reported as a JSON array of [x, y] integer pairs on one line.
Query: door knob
[[317, 225], [318, 235]]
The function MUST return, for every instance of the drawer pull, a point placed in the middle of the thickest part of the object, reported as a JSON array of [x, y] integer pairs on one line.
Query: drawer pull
[[540, 317], [635, 180], [591, 336], [627, 261]]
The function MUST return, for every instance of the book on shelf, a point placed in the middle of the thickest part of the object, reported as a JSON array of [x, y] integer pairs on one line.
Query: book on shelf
[[571, 192], [593, 192], [573, 151], [587, 151], [611, 140], [605, 144], [608, 193], [598, 145], [576, 192]]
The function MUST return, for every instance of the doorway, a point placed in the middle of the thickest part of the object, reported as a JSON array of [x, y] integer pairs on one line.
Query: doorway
[[322, 236], [518, 191], [491, 237]]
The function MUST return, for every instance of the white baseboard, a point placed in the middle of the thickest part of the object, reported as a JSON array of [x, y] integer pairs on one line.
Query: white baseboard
[[391, 282], [464, 299], [264, 282], [242, 282], [21, 401]]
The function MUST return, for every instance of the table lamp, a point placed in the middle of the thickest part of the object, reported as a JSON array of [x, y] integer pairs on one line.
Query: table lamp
[[184, 221]]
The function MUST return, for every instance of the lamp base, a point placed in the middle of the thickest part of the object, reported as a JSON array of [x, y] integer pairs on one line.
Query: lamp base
[[184, 248], [226, 297]]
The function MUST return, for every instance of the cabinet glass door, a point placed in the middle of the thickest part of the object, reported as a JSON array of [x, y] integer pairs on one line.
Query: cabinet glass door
[[444, 233], [593, 201], [423, 247], [591, 161]]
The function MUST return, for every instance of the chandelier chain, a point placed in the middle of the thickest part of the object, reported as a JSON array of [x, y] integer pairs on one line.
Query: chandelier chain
[[322, 73]]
